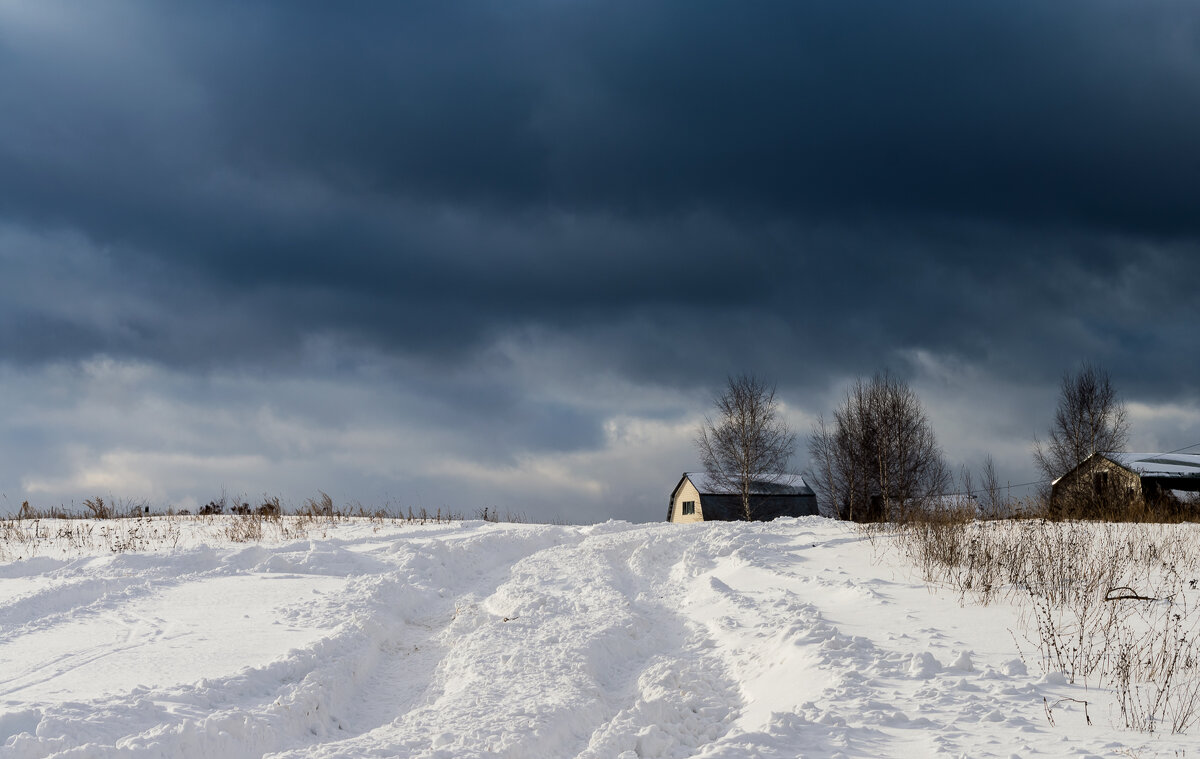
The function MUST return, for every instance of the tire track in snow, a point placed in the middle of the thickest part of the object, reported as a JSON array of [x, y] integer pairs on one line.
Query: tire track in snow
[[807, 683], [411, 642], [712, 640], [321, 694], [682, 697], [574, 653]]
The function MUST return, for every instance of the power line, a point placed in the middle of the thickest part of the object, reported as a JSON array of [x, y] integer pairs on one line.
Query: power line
[[999, 487], [1178, 450]]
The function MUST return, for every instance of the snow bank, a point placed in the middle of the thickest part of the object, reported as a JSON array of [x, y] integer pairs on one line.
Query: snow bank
[[786, 639]]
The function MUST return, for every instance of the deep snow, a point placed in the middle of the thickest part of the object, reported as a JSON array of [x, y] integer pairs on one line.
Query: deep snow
[[788, 639]]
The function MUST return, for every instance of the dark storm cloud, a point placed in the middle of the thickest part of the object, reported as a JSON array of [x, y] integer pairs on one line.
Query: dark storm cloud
[[1068, 112], [500, 253], [1052, 112], [844, 179]]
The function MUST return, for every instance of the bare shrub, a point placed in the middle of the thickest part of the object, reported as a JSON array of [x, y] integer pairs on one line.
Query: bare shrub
[[98, 508], [212, 508], [1106, 604], [1152, 662], [245, 528], [493, 514], [320, 506]]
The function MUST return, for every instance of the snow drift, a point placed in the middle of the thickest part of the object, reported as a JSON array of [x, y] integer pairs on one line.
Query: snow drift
[[786, 639]]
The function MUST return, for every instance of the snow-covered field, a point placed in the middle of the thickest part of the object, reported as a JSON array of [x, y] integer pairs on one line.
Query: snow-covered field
[[797, 638]]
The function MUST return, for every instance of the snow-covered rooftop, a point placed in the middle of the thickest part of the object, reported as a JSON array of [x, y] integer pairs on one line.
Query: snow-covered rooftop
[[1159, 464]]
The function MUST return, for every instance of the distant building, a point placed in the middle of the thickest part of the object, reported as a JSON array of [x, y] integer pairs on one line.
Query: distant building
[[695, 500], [1129, 480]]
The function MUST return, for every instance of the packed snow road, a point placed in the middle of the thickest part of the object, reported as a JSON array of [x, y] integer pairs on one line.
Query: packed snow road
[[789, 639]]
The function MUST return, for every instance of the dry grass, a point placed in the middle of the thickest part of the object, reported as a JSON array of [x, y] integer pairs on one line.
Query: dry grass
[[116, 526], [23, 538], [1109, 605], [492, 514]]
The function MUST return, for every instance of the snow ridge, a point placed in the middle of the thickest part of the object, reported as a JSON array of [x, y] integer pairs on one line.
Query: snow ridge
[[792, 638]]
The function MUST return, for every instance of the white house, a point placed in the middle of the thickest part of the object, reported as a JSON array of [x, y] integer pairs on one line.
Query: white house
[[696, 499]]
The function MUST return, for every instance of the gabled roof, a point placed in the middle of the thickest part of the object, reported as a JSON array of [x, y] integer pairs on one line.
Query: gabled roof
[[1158, 464], [772, 484]]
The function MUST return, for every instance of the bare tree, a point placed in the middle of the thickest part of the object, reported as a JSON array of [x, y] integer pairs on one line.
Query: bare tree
[[994, 503], [748, 444], [879, 455], [988, 500], [1090, 418]]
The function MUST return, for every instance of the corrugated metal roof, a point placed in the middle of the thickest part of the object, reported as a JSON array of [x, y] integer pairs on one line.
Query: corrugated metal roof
[[772, 484], [1159, 464]]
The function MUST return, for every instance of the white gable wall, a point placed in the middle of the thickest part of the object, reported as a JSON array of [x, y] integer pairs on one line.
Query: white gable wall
[[687, 492]]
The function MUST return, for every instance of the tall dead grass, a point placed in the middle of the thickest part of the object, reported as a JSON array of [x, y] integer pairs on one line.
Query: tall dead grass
[[116, 526], [1109, 605]]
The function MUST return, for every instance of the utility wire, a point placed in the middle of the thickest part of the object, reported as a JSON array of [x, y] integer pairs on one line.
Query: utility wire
[[1177, 450], [999, 487]]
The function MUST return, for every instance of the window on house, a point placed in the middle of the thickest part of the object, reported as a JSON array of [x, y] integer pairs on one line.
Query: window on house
[[1100, 481], [689, 507]]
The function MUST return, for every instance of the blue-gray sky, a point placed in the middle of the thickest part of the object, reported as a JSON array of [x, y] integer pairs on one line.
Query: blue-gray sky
[[503, 253]]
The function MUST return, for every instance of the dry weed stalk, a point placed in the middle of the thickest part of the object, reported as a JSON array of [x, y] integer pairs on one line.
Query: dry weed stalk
[[1112, 605], [118, 526]]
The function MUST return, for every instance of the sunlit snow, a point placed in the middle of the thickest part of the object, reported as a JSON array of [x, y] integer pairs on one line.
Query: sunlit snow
[[797, 638]]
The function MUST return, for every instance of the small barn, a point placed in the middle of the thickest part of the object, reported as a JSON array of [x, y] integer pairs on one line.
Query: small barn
[[695, 499], [1126, 480]]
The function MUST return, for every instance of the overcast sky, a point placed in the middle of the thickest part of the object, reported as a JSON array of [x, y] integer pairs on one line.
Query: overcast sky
[[440, 254]]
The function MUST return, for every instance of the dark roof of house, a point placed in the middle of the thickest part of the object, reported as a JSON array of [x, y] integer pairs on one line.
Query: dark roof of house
[[724, 507]]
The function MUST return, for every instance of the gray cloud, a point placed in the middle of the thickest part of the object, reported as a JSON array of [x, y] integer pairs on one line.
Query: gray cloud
[[452, 219]]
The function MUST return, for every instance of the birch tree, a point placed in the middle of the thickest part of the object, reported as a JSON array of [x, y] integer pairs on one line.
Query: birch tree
[[746, 442]]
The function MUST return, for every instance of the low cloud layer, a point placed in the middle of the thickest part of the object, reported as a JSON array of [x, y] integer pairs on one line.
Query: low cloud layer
[[504, 255]]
